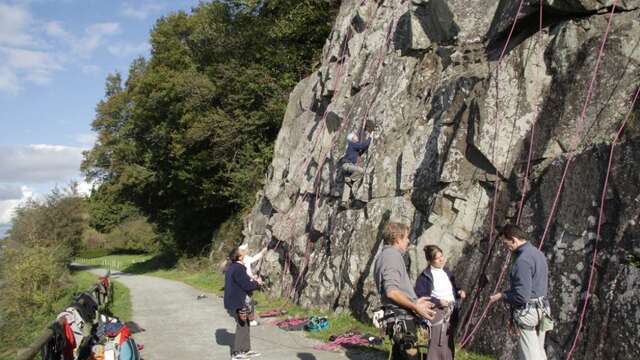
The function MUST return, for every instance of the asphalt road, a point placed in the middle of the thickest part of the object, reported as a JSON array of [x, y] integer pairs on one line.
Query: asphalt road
[[179, 326]]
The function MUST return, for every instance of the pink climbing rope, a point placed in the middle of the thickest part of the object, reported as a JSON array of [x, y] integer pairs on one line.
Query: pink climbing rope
[[579, 124], [466, 337], [317, 181], [525, 181], [342, 341], [570, 157], [599, 227]]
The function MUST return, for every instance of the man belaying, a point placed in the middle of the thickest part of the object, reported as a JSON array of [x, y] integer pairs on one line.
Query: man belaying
[[527, 296], [401, 305], [353, 173]]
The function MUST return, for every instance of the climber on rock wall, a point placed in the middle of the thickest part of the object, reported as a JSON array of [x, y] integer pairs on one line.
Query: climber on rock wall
[[353, 173]]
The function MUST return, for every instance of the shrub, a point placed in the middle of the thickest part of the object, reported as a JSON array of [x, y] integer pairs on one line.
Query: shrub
[[34, 278], [135, 234]]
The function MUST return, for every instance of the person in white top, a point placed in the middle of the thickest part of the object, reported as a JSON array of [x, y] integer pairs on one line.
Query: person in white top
[[438, 283], [247, 261]]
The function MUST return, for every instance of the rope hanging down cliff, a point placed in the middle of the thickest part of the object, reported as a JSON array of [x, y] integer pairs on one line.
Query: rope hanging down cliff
[[337, 85], [496, 190], [587, 294], [575, 140]]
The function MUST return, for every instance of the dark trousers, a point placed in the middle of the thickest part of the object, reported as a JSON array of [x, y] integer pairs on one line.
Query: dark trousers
[[400, 344], [242, 339], [399, 353]]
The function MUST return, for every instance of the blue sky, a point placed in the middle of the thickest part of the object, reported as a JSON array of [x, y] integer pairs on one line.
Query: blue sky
[[54, 57]]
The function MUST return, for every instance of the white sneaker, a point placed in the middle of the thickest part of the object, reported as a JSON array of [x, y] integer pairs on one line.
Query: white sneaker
[[252, 354], [253, 323], [239, 356]]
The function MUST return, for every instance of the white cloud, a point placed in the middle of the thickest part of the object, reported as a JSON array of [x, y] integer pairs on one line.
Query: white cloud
[[84, 188], [128, 50], [55, 29], [14, 25], [33, 53], [141, 12], [7, 207], [93, 37], [31, 65], [9, 80], [32, 164]]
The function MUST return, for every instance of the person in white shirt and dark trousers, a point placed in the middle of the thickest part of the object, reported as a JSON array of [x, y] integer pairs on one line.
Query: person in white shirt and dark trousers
[[438, 283]]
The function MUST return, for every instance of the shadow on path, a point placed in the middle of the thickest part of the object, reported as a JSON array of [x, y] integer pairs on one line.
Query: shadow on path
[[306, 356], [224, 338]]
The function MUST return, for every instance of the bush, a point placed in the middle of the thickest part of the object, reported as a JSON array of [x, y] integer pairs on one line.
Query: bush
[[57, 221], [135, 234], [33, 280]]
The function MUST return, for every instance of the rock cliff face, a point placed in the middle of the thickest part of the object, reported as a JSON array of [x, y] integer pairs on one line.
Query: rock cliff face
[[452, 123]]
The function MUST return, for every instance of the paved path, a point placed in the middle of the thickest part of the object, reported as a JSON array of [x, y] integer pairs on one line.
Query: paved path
[[178, 326]]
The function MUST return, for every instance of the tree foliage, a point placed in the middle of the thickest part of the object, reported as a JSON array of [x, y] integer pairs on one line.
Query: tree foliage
[[187, 138]]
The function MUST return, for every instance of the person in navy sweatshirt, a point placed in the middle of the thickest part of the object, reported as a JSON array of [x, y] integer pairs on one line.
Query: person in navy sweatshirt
[[237, 286], [437, 283], [528, 294]]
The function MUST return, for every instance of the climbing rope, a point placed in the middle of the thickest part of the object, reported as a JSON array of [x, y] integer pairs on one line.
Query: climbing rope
[[587, 295], [337, 86], [324, 157], [579, 125], [569, 159], [467, 336]]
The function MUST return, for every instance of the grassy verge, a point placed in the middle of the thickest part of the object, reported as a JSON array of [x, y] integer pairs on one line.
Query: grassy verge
[[209, 281], [79, 281]]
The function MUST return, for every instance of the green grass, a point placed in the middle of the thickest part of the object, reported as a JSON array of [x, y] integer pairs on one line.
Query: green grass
[[121, 306], [212, 282]]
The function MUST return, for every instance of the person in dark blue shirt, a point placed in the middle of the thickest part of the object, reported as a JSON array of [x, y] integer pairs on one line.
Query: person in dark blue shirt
[[352, 171], [237, 286], [527, 295]]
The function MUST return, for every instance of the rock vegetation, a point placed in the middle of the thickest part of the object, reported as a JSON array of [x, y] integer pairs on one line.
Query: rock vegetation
[[452, 123]]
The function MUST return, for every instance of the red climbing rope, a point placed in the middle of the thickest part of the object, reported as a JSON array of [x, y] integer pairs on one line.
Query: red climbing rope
[[599, 227], [579, 125]]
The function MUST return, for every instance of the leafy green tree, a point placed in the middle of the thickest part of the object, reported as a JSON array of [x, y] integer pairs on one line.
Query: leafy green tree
[[188, 137]]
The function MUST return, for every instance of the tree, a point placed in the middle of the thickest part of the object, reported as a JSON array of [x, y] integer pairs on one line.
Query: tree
[[188, 137]]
